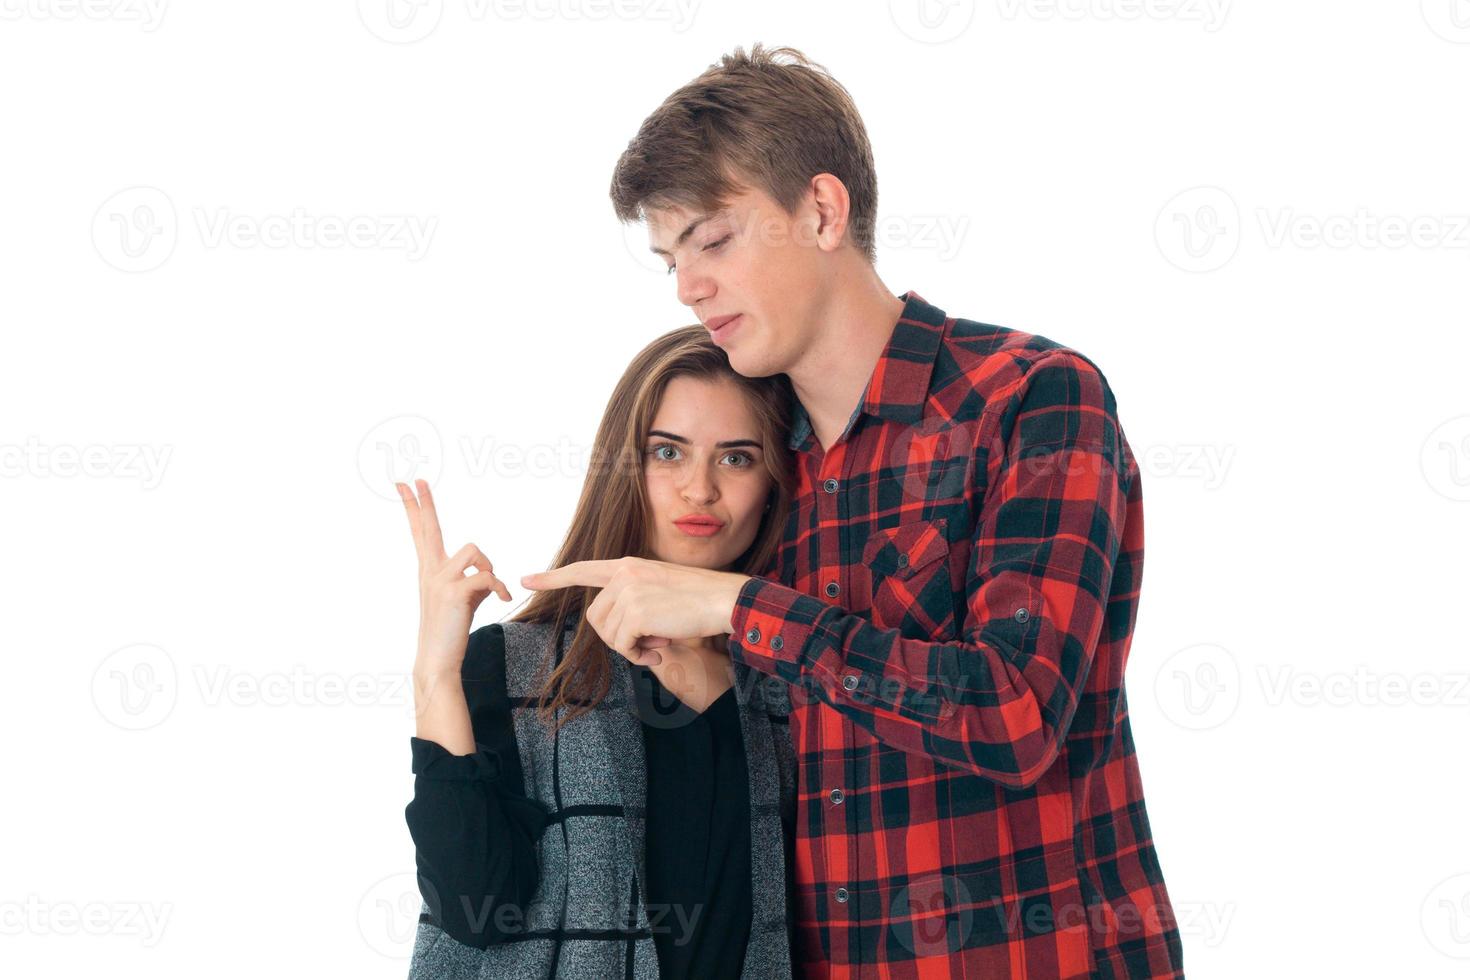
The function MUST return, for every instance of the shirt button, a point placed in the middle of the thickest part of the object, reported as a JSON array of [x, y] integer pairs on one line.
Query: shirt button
[[832, 589], [829, 485], [837, 796], [1022, 615], [753, 635], [776, 642], [842, 894], [850, 682], [903, 561]]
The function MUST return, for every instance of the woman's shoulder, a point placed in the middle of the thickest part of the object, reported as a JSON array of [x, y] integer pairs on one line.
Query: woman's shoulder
[[523, 647], [518, 635]]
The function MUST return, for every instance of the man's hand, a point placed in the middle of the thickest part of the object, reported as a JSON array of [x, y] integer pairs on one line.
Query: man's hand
[[644, 603]]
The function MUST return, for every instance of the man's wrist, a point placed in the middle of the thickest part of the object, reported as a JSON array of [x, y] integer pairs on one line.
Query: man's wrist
[[729, 599]]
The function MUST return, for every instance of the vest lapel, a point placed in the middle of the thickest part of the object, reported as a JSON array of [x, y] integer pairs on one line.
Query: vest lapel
[[767, 881], [622, 733]]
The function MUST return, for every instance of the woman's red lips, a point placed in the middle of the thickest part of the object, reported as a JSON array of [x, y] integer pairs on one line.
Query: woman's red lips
[[698, 525]]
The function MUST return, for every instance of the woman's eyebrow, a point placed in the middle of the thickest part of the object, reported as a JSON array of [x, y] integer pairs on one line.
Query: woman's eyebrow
[[719, 445]]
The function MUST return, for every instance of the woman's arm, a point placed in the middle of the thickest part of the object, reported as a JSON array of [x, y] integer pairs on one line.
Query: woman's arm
[[473, 827]]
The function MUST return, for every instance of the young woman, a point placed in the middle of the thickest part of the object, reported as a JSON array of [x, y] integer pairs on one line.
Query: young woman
[[577, 815]]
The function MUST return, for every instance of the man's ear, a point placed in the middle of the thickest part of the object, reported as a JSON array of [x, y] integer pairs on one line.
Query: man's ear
[[829, 197]]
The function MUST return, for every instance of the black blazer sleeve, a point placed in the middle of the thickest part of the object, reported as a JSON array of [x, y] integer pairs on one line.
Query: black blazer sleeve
[[473, 827]]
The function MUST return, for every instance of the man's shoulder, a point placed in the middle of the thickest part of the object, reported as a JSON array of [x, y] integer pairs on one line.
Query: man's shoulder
[[987, 364]]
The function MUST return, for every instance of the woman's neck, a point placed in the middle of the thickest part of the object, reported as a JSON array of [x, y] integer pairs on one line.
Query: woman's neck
[[696, 671]]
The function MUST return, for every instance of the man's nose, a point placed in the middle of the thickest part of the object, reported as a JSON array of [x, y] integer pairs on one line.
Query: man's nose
[[694, 287]]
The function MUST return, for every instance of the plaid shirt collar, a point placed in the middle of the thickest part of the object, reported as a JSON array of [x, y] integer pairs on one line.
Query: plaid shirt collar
[[899, 385]]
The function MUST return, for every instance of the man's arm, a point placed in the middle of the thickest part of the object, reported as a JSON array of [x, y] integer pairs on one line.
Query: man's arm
[[997, 702]]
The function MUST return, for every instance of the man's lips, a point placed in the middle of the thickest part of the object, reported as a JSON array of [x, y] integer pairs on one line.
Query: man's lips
[[721, 326]]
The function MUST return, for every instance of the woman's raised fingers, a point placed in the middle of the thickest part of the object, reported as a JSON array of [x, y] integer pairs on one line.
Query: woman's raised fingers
[[411, 507], [429, 521]]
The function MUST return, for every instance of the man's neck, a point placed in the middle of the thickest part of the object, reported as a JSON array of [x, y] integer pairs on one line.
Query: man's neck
[[834, 372]]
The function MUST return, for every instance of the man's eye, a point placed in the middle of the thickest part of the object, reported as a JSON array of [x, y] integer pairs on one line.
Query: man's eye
[[714, 244]]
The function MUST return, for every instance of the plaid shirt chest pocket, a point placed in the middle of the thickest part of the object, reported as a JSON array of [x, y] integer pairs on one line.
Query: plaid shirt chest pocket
[[909, 579]]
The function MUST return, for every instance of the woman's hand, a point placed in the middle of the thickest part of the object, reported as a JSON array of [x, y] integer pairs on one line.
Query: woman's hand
[[448, 597]]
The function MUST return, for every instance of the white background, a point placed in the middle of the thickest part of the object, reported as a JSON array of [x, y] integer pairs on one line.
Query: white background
[[1253, 216]]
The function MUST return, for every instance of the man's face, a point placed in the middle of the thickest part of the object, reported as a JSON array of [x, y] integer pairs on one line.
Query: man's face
[[752, 261]]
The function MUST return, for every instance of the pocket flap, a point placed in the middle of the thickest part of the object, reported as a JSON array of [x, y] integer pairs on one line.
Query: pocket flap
[[905, 550]]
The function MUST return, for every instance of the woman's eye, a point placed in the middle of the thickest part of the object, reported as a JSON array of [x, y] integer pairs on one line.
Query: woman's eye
[[657, 450], [746, 458]]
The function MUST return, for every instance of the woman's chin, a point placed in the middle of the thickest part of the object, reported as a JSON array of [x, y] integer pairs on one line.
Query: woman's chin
[[696, 554]]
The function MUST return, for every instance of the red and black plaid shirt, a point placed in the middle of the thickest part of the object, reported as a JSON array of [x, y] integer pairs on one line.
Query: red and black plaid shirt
[[958, 585]]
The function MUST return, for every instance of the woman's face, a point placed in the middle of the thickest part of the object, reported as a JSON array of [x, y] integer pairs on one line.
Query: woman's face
[[703, 460]]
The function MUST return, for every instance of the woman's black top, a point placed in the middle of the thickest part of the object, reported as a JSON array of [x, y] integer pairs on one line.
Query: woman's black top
[[697, 859], [697, 842]]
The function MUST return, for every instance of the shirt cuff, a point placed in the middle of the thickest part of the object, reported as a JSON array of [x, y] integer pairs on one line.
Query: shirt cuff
[[772, 627], [433, 761]]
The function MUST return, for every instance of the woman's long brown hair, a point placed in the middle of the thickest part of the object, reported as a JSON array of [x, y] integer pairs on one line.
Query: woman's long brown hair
[[611, 516]]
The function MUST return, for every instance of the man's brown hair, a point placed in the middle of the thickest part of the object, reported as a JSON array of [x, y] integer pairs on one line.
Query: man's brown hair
[[771, 119]]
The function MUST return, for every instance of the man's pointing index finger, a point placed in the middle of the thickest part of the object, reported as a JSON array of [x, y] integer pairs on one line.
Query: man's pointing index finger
[[595, 574]]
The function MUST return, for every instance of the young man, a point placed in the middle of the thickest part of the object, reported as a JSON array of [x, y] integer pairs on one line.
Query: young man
[[956, 594]]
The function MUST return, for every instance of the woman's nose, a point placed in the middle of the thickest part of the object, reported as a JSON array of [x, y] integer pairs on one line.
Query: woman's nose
[[700, 487]]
